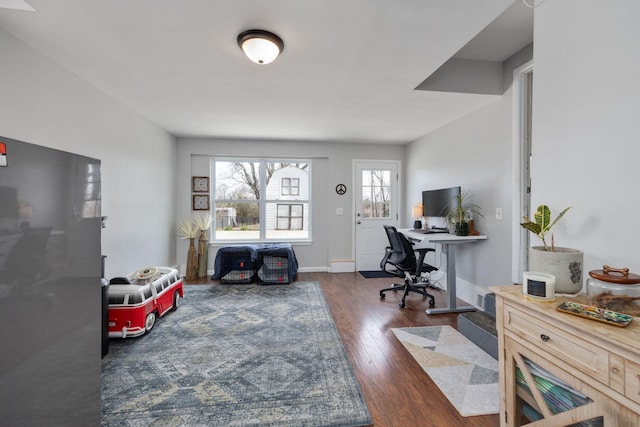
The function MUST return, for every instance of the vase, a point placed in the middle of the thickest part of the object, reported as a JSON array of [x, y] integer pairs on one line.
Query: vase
[[192, 261], [203, 254], [462, 228], [564, 263]]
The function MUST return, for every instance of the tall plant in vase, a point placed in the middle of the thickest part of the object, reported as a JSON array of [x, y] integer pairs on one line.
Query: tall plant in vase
[[462, 212], [188, 229], [203, 222]]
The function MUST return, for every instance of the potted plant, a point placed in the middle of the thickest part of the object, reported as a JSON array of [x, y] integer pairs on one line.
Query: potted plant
[[462, 213], [563, 263]]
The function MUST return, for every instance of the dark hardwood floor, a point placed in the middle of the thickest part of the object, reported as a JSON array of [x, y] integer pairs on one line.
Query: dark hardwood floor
[[397, 391]]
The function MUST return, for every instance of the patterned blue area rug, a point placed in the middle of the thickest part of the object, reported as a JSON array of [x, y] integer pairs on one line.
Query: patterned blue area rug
[[235, 355], [464, 372]]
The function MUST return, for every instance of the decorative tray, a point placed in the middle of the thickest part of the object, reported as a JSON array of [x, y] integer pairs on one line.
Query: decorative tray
[[595, 313]]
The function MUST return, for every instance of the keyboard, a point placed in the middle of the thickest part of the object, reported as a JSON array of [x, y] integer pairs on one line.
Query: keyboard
[[434, 231]]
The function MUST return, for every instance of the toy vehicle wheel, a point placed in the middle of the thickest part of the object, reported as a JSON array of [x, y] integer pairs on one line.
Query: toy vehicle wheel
[[149, 322], [176, 301]]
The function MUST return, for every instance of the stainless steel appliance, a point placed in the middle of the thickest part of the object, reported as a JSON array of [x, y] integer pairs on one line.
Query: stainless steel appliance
[[50, 287]]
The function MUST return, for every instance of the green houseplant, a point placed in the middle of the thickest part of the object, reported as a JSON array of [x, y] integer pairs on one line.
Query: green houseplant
[[563, 263], [543, 224], [462, 212]]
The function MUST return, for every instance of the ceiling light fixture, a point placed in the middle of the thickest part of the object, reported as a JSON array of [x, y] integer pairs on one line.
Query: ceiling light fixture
[[260, 46]]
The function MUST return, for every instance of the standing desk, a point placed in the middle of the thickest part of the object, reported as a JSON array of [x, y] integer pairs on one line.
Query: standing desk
[[449, 243]]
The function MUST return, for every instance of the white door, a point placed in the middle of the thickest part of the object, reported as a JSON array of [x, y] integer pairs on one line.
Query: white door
[[376, 185]]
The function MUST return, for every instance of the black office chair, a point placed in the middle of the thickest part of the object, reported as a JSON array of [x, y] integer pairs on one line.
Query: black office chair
[[401, 255]]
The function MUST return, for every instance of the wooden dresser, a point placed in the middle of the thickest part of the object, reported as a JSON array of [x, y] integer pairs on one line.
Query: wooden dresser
[[600, 362]]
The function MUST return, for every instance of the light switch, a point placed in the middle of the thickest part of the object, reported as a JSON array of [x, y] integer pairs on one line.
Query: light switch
[[498, 213], [339, 211]]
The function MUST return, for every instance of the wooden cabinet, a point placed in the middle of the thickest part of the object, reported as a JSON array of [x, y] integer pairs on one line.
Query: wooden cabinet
[[594, 368]]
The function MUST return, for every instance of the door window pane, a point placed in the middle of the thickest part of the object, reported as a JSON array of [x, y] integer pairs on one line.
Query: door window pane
[[376, 193]]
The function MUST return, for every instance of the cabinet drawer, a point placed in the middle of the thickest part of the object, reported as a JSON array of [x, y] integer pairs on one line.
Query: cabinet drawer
[[632, 380], [567, 348]]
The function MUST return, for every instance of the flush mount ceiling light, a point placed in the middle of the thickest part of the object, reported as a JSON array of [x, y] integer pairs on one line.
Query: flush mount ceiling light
[[260, 46]]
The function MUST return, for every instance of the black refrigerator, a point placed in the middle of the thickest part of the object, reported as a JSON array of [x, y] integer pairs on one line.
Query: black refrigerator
[[50, 287]]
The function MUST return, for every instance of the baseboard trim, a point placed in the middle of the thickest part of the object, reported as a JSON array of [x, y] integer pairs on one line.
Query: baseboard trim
[[342, 266], [312, 269], [471, 293]]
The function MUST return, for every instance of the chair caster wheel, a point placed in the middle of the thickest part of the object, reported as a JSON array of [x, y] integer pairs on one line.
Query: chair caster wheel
[[381, 295], [432, 303], [401, 305]]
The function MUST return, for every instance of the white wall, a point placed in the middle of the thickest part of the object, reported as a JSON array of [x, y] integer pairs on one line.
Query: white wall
[[586, 99], [586, 105], [44, 104], [473, 152], [331, 165]]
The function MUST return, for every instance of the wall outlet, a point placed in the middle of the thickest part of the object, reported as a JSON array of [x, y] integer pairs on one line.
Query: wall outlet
[[498, 213], [339, 211]]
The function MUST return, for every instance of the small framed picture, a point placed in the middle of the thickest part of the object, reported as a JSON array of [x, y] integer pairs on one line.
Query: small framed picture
[[200, 184], [200, 202]]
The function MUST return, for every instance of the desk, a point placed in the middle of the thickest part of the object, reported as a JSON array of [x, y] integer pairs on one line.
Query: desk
[[449, 243]]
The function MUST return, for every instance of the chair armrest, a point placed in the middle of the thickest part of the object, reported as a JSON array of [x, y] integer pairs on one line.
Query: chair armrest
[[421, 265], [425, 250]]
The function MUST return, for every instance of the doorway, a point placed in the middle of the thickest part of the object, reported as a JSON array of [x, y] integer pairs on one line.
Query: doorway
[[376, 202], [522, 155]]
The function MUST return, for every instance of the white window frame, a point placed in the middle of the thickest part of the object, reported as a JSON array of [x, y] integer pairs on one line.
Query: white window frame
[[263, 201]]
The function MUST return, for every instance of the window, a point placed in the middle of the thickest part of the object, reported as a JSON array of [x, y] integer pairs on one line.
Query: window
[[116, 299], [135, 298], [376, 193], [290, 187], [289, 217], [261, 199]]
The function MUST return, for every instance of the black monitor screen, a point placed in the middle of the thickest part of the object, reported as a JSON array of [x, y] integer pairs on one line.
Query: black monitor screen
[[439, 202]]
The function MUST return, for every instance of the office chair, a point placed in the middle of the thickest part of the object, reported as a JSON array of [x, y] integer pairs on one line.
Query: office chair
[[401, 255]]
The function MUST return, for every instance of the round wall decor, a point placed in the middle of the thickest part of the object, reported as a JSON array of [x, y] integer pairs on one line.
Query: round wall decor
[[341, 189]]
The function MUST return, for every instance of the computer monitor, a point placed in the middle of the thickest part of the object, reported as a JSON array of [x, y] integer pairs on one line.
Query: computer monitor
[[438, 203]]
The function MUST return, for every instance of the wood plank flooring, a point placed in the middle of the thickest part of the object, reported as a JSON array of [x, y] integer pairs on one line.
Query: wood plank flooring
[[397, 391]]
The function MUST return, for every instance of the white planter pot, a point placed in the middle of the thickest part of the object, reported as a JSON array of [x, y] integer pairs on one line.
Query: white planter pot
[[565, 264]]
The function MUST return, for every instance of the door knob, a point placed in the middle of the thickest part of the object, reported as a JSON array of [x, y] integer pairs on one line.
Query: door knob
[[358, 222]]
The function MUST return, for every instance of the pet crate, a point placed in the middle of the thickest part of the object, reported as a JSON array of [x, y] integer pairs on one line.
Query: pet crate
[[235, 264], [274, 269], [238, 276]]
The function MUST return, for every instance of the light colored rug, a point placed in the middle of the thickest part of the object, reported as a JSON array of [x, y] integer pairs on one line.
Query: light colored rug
[[465, 373]]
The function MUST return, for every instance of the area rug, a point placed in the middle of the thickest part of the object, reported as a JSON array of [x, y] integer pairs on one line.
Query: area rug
[[465, 373], [235, 355], [373, 274]]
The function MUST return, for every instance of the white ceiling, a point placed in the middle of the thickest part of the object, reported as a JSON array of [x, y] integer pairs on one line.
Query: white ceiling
[[347, 73]]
